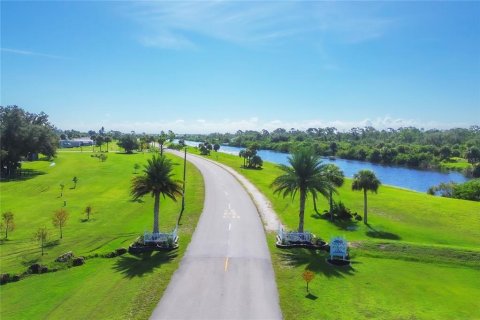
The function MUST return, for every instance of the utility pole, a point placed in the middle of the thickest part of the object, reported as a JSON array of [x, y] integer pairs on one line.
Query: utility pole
[[184, 175]]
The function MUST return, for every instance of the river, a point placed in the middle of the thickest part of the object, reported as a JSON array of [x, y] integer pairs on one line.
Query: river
[[403, 177]]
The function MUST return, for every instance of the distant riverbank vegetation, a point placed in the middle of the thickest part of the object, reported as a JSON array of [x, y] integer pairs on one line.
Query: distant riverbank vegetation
[[452, 149]]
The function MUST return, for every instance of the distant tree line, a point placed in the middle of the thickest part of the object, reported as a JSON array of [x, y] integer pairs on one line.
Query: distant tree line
[[406, 146]]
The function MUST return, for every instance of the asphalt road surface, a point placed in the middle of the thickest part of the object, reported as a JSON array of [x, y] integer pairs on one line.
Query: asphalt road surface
[[226, 272]]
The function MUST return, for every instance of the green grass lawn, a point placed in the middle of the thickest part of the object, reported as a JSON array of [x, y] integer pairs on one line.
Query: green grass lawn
[[116, 288], [455, 163], [418, 259]]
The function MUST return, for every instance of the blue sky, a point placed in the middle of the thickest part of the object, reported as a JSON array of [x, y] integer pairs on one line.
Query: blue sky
[[224, 66]]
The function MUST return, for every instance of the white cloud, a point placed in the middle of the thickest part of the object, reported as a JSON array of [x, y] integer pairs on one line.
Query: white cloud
[[175, 25], [31, 53], [232, 126]]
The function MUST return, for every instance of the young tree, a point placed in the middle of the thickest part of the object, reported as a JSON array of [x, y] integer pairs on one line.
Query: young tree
[[336, 178], [216, 147], [75, 180], [41, 237], [308, 276], [62, 186], [243, 154], [304, 175], [102, 157], [99, 142], [473, 155], [93, 137], [88, 211], [107, 140], [256, 162], [59, 220], [367, 181], [128, 142], [171, 135], [333, 148], [158, 180], [8, 222], [203, 149], [161, 141]]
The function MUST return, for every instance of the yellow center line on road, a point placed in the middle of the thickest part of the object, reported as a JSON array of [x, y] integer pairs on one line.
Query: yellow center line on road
[[226, 264]]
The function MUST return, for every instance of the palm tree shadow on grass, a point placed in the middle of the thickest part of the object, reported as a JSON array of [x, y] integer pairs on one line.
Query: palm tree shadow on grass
[[341, 224], [374, 233], [138, 266], [52, 243], [315, 261]]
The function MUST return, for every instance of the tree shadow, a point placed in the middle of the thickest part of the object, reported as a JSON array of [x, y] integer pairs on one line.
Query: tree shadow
[[316, 216], [373, 233], [139, 200], [29, 262], [346, 225], [314, 260], [311, 296], [251, 168], [24, 174], [139, 265], [341, 224], [53, 243]]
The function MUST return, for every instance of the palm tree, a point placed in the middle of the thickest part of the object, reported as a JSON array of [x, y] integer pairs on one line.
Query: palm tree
[[243, 155], [367, 181], [304, 175], [256, 161], [158, 179], [336, 177]]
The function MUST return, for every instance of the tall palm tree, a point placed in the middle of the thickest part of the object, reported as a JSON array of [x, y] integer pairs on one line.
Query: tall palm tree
[[367, 181], [336, 177], [242, 154], [304, 175], [158, 179]]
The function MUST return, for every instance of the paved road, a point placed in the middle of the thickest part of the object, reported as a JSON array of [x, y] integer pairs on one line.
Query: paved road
[[226, 272]]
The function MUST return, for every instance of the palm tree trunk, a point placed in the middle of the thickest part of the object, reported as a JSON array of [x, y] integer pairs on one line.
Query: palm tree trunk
[[331, 205], [315, 204], [156, 209], [365, 206], [61, 233], [303, 196]]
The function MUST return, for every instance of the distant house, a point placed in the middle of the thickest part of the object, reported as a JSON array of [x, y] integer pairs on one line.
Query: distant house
[[78, 142]]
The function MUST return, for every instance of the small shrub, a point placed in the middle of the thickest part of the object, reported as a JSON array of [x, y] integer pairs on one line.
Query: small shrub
[[43, 269], [35, 268], [4, 278], [120, 251], [78, 261], [65, 257], [358, 217], [16, 278], [110, 254]]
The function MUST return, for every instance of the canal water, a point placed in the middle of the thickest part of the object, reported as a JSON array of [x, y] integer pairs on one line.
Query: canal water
[[413, 179]]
